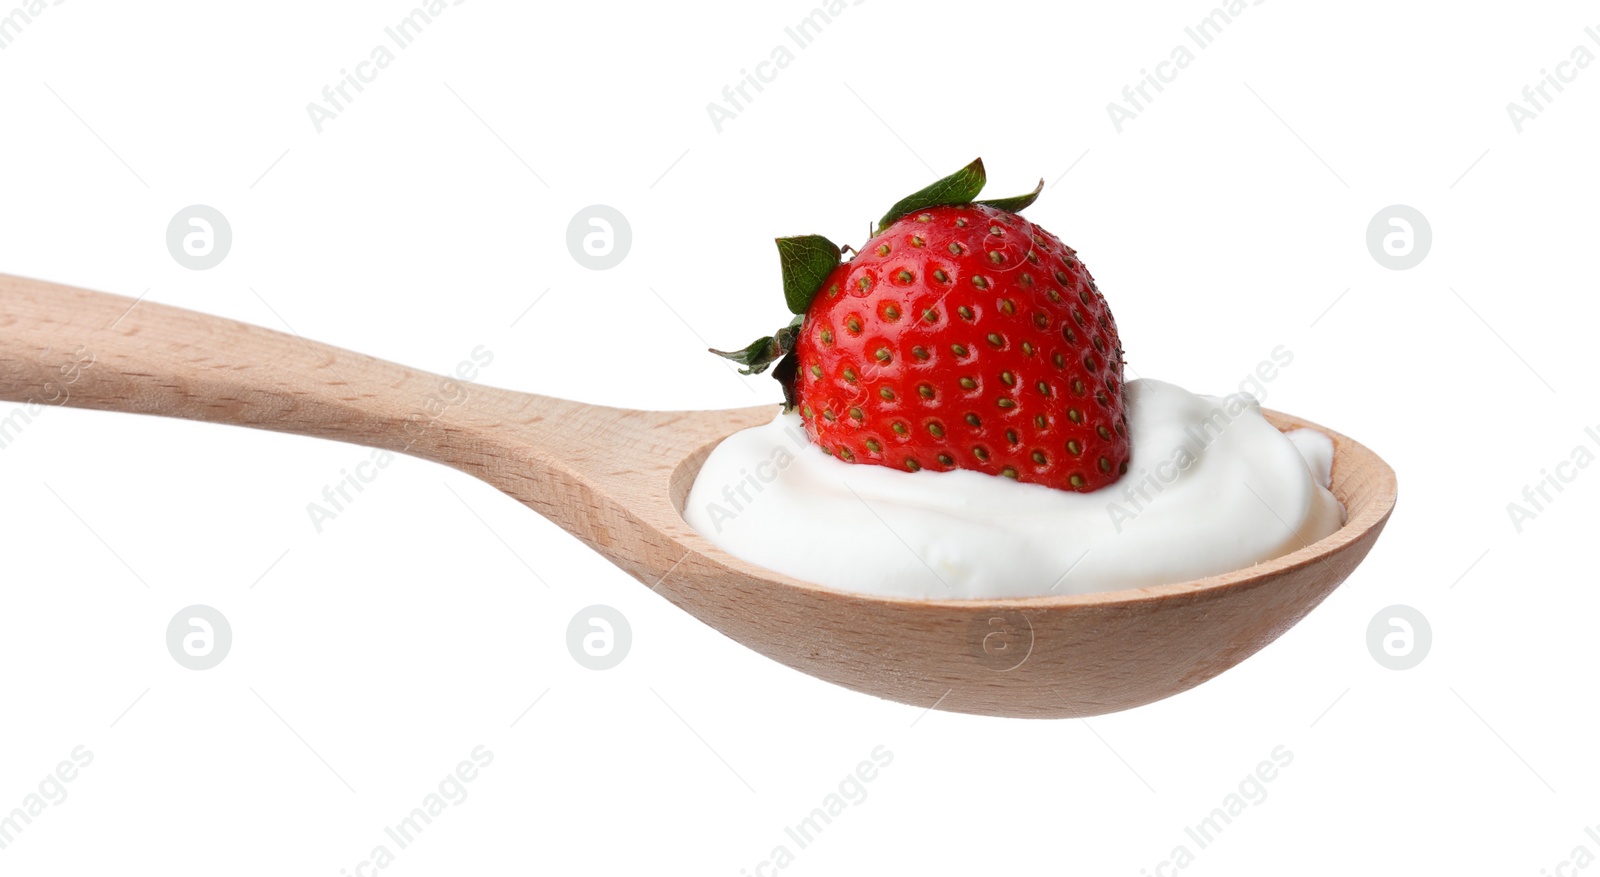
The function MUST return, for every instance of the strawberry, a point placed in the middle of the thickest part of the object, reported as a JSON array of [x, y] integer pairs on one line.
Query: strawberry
[[961, 336]]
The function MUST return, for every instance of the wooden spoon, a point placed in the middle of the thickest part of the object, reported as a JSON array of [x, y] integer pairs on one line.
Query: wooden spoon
[[617, 479]]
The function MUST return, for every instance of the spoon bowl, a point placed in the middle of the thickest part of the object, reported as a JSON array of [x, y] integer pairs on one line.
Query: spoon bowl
[[618, 479]]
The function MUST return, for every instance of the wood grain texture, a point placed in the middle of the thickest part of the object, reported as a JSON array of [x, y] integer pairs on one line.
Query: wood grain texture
[[617, 479]]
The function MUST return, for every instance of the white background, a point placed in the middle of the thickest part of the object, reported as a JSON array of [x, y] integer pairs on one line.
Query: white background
[[1225, 219]]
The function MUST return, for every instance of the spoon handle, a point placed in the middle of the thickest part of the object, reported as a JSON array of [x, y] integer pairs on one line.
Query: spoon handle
[[588, 468], [65, 346]]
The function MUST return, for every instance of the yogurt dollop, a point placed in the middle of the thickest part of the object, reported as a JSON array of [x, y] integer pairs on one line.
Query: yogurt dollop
[[1211, 487]]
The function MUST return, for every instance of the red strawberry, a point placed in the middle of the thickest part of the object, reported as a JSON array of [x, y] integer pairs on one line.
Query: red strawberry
[[961, 336]]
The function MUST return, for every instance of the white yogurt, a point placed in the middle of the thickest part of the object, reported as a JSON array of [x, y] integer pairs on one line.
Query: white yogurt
[[1211, 487]]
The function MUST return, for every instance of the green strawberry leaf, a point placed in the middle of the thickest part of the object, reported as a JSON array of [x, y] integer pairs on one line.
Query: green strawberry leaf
[[806, 261], [1016, 204], [755, 358], [760, 354], [958, 188]]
